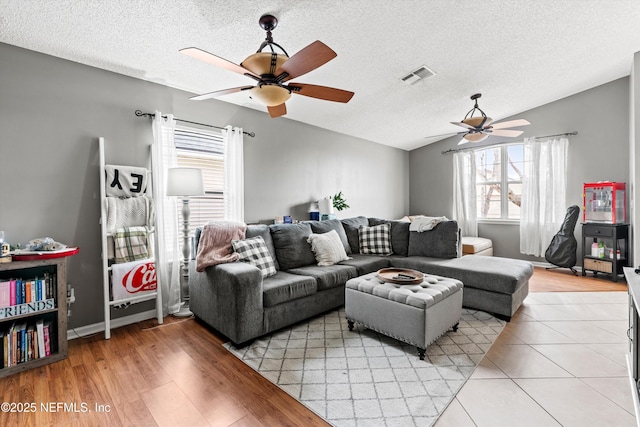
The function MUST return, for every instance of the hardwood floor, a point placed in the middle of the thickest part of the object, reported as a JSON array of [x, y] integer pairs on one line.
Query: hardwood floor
[[563, 280], [176, 374]]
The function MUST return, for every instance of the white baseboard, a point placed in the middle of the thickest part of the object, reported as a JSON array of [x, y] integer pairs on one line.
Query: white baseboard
[[95, 328], [547, 265]]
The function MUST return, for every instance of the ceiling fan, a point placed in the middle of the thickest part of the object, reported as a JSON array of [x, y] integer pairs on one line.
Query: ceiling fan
[[480, 127], [272, 70]]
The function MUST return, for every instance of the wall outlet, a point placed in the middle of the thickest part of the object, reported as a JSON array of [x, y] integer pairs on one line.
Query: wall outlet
[[71, 298]]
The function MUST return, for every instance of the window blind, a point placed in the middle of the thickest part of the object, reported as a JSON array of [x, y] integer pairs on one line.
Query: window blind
[[205, 151]]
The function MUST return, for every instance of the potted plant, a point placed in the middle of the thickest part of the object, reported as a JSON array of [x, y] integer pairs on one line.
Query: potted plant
[[339, 203]]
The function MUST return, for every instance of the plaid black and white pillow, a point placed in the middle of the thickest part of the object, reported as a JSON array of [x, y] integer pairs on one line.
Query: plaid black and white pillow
[[375, 240], [255, 252]]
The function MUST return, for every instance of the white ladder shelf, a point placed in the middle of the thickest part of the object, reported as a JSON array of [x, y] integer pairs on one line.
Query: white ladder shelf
[[106, 269]]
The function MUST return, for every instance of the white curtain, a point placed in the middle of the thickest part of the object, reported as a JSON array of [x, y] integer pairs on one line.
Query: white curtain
[[543, 193], [465, 211], [168, 256], [233, 174]]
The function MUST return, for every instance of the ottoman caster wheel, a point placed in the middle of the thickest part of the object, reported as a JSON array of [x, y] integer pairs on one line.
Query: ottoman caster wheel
[[350, 323], [455, 327], [421, 352]]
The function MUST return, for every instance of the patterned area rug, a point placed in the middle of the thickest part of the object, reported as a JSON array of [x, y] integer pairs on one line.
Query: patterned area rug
[[363, 378]]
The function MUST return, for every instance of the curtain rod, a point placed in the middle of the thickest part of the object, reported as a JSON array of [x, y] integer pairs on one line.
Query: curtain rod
[[141, 114], [455, 150]]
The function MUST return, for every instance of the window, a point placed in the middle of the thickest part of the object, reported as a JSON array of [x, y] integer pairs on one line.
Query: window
[[203, 150], [499, 181]]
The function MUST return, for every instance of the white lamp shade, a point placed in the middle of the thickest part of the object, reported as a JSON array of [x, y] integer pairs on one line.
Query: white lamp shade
[[184, 182]]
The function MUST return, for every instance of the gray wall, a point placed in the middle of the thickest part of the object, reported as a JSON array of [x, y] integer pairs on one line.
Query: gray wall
[[598, 153], [52, 111]]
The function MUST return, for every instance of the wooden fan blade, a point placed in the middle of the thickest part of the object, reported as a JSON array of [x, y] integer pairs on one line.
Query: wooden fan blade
[[220, 93], [510, 124], [505, 132], [321, 92], [277, 111], [461, 124], [308, 59], [205, 56]]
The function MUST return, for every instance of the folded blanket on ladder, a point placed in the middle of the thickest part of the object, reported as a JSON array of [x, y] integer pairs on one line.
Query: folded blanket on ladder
[[129, 212], [130, 244], [215, 243], [132, 279], [126, 181]]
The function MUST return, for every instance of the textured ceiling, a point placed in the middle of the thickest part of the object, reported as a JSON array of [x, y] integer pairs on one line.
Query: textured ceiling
[[518, 54]]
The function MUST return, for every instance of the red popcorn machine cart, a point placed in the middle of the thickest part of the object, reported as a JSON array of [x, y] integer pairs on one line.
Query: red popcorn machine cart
[[605, 202]]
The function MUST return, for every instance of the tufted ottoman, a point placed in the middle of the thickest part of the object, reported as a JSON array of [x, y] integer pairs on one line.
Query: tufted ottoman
[[415, 314]]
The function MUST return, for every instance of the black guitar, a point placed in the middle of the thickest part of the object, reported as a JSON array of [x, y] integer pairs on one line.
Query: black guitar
[[562, 250]]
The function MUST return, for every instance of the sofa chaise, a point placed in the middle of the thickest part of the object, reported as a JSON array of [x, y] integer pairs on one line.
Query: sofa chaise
[[237, 301]]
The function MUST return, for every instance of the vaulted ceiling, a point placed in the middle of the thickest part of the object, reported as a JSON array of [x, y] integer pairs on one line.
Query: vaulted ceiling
[[520, 55]]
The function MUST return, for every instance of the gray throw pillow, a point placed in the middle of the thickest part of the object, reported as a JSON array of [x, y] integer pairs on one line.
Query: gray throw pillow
[[351, 226], [290, 243], [443, 241]]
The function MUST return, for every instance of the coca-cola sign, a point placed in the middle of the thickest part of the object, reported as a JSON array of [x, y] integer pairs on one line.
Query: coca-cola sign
[[141, 278]]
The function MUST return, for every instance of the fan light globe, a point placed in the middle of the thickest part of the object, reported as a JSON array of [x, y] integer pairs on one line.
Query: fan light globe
[[476, 137], [260, 63], [477, 121], [270, 95]]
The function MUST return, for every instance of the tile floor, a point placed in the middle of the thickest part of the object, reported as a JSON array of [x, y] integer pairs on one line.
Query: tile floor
[[561, 361]]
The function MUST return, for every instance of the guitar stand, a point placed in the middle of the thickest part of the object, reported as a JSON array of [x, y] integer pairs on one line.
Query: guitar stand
[[573, 270]]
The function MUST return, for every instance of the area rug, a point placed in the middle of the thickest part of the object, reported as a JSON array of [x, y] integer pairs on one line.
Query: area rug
[[364, 378]]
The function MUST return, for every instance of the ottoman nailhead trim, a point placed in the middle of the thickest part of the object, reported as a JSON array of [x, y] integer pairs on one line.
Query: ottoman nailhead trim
[[385, 333]]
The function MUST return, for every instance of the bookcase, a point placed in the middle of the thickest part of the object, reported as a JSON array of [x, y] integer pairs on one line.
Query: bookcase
[[50, 309]]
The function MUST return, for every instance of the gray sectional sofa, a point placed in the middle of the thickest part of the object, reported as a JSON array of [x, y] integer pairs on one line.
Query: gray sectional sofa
[[237, 301]]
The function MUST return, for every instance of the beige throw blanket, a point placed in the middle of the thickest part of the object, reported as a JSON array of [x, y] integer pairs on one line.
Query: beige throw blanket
[[426, 223], [215, 243]]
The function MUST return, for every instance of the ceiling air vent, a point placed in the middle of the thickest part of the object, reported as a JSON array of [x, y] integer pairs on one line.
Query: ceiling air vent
[[417, 75]]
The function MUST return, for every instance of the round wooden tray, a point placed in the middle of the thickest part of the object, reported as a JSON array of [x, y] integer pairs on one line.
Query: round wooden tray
[[400, 276]]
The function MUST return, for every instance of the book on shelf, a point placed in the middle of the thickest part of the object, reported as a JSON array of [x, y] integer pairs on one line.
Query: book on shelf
[[5, 293], [29, 335], [27, 291], [40, 335], [47, 338], [12, 291], [26, 341], [26, 296], [20, 344]]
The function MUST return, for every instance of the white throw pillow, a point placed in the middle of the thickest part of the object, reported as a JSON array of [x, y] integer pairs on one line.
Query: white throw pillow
[[328, 248]]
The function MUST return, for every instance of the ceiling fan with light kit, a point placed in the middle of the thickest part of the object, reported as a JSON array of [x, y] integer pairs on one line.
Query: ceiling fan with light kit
[[479, 128], [272, 72]]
